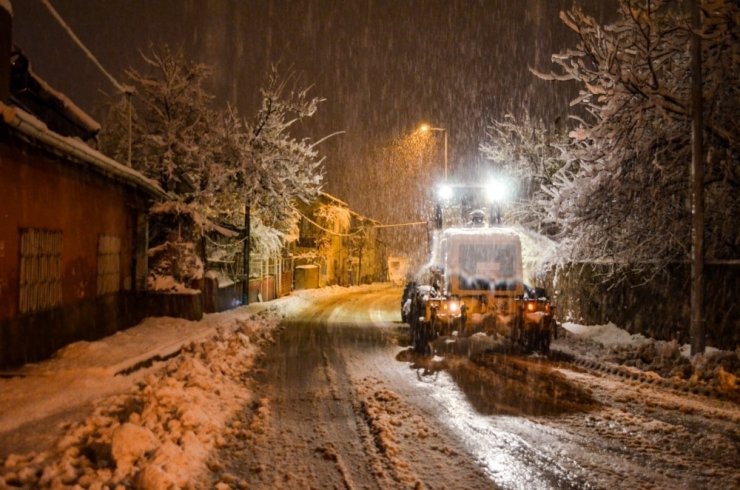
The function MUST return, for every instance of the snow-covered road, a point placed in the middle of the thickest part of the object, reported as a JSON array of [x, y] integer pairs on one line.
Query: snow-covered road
[[331, 398], [342, 404]]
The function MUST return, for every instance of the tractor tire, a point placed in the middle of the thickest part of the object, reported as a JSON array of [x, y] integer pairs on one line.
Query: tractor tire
[[517, 332], [533, 339], [544, 334], [422, 338]]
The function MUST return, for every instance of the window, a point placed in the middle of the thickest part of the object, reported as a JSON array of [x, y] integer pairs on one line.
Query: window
[[41, 270], [486, 267], [109, 264]]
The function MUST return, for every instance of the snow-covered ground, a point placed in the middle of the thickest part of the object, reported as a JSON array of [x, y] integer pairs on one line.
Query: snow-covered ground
[[160, 425], [149, 427], [716, 369], [154, 434]]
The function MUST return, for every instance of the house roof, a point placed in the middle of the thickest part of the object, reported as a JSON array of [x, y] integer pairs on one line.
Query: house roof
[[34, 95], [30, 129]]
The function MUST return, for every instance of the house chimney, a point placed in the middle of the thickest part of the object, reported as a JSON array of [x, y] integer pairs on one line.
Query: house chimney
[[6, 43]]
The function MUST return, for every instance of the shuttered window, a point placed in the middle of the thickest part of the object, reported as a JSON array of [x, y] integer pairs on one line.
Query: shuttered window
[[109, 264], [40, 270]]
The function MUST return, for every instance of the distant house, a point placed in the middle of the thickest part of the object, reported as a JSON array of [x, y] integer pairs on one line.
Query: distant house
[[342, 245], [73, 226], [398, 268], [367, 252]]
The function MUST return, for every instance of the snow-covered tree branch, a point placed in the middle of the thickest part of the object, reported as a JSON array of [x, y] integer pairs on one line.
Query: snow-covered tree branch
[[624, 199], [531, 156], [214, 161], [277, 168]]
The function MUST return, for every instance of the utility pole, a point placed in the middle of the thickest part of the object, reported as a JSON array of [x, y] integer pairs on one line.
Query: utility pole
[[247, 250], [698, 333], [445, 131]]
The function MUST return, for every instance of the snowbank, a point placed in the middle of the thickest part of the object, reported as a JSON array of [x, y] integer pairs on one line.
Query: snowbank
[[160, 434], [608, 335], [608, 343]]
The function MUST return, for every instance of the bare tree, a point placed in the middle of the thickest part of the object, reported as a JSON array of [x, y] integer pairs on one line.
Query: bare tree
[[531, 156], [623, 198], [217, 166]]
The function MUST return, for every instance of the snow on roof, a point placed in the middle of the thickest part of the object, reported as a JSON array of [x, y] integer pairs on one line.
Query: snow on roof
[[73, 109], [5, 5], [36, 132], [362, 217]]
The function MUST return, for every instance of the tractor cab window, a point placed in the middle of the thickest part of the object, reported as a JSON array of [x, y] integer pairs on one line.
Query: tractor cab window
[[487, 267]]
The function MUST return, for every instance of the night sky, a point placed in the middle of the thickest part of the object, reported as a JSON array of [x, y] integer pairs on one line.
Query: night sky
[[383, 66]]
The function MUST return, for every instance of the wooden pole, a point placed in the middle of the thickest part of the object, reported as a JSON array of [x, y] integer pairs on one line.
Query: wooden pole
[[245, 289], [698, 333]]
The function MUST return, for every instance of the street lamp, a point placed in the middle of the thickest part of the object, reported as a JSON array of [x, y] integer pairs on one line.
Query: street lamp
[[425, 128]]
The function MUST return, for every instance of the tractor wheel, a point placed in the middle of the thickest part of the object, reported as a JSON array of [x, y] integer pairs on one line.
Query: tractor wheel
[[489, 325], [544, 334], [533, 338], [517, 331], [421, 339]]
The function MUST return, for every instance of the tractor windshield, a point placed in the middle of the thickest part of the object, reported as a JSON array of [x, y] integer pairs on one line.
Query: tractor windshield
[[483, 262], [487, 267]]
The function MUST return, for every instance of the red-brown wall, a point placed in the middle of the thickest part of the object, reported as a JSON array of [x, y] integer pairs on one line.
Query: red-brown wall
[[39, 191]]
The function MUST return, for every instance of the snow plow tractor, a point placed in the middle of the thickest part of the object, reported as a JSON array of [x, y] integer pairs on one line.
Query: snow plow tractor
[[474, 283]]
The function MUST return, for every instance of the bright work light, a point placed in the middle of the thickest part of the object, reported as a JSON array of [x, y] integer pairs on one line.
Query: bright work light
[[445, 192], [497, 190]]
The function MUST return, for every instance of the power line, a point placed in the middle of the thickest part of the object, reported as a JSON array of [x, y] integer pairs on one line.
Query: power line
[[70, 32], [126, 90], [327, 230], [398, 225], [395, 225]]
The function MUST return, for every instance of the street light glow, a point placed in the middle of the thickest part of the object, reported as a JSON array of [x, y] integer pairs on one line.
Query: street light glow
[[425, 128]]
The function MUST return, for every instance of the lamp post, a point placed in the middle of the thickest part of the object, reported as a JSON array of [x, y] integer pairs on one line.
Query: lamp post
[[426, 127]]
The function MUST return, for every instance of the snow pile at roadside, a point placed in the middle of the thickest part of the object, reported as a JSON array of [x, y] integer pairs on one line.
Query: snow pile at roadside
[[608, 343], [608, 335], [159, 435]]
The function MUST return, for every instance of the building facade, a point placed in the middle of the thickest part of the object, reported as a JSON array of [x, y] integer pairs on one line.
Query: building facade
[[343, 246], [72, 225]]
